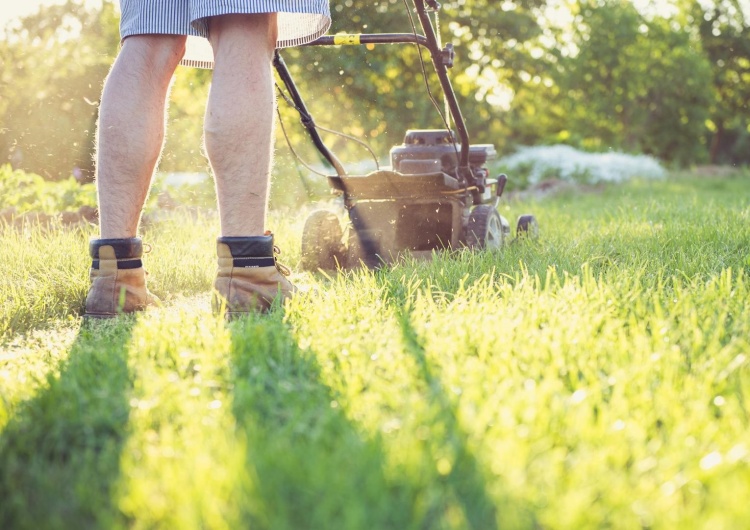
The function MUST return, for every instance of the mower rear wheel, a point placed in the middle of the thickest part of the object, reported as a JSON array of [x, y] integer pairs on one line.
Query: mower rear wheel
[[527, 227], [485, 228], [321, 242]]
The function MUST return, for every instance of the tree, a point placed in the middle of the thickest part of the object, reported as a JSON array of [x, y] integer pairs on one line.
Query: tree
[[724, 30], [635, 84], [51, 72]]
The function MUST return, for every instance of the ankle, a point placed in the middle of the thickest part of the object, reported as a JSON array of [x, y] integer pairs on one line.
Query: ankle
[[126, 253]]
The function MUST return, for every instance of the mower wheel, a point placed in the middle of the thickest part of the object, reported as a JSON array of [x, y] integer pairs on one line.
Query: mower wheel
[[321, 242], [486, 228], [527, 227]]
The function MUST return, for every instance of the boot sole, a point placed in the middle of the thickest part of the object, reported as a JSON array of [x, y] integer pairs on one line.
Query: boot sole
[[99, 316]]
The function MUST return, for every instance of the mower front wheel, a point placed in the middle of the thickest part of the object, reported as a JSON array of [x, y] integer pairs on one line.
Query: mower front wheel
[[322, 246], [527, 227], [486, 228]]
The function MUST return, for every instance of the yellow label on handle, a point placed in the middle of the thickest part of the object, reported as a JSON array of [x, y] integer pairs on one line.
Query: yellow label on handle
[[346, 40]]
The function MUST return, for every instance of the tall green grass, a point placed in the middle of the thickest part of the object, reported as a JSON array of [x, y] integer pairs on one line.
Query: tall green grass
[[595, 378]]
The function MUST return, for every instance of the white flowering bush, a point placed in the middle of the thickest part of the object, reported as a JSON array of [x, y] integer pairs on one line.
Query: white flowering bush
[[532, 165]]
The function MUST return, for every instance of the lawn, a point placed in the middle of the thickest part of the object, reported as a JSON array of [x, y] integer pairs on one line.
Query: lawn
[[596, 378]]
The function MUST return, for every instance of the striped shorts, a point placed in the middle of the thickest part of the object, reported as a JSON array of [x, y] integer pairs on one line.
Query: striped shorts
[[299, 21]]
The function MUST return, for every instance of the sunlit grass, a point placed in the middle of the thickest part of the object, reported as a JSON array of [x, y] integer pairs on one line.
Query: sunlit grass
[[44, 276], [595, 378], [181, 426]]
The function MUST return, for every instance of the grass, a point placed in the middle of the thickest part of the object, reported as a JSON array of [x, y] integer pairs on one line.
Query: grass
[[597, 378]]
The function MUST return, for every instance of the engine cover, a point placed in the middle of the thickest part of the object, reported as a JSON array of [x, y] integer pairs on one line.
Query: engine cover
[[434, 150]]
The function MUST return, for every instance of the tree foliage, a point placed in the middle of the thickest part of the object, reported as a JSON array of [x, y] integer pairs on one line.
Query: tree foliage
[[635, 84], [724, 30], [51, 71]]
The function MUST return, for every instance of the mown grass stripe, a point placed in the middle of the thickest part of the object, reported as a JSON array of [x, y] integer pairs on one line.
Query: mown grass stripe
[[183, 465]]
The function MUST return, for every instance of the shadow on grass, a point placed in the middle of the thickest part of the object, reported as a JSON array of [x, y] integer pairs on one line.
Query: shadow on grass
[[462, 482], [461, 476], [60, 453], [310, 466]]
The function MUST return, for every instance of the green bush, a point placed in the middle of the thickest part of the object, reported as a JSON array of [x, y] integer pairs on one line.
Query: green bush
[[28, 192]]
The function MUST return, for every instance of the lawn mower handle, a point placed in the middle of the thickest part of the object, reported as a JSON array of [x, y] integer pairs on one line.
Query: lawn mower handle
[[441, 68], [442, 59]]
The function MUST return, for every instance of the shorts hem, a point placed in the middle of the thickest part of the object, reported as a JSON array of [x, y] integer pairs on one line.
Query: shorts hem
[[146, 30]]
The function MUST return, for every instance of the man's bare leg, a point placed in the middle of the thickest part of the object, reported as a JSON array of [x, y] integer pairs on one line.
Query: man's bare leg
[[130, 137], [239, 139], [240, 118], [131, 129]]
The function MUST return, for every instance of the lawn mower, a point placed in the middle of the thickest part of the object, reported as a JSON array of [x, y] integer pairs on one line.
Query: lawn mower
[[437, 194]]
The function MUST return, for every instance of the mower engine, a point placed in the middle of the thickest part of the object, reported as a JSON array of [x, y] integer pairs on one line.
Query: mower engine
[[429, 151]]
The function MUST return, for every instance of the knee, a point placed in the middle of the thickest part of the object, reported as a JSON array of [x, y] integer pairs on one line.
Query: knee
[[257, 33], [156, 54]]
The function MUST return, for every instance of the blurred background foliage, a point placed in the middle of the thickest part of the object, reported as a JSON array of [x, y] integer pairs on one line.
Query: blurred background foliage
[[597, 74]]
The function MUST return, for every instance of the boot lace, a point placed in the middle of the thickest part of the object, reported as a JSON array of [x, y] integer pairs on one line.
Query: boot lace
[[283, 269], [146, 250]]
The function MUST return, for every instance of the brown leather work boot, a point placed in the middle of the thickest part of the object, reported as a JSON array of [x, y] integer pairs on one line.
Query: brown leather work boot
[[249, 277], [118, 280]]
